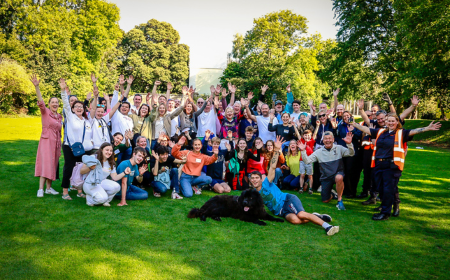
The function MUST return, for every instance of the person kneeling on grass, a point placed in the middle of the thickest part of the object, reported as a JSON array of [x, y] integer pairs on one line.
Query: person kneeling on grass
[[215, 170], [331, 165], [129, 191], [192, 171], [98, 189], [286, 205], [165, 172]]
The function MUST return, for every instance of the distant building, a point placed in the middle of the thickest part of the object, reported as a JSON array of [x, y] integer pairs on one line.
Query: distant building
[[203, 78]]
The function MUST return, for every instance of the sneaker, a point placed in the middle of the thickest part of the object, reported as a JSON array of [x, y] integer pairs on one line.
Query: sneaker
[[325, 217], [340, 205], [310, 191], [40, 193], [73, 189], [319, 189], [197, 190], [88, 204], [300, 191], [106, 204], [331, 230], [51, 191], [176, 196]]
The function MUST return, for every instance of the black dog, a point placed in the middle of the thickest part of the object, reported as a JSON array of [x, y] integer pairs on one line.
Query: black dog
[[248, 207]]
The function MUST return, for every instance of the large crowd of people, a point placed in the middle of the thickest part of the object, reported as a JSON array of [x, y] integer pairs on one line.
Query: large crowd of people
[[163, 145]]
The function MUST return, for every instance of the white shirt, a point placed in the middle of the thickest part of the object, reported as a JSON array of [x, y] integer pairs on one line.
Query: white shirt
[[174, 124], [119, 122], [206, 121], [159, 127], [107, 170], [263, 124], [100, 131], [75, 127]]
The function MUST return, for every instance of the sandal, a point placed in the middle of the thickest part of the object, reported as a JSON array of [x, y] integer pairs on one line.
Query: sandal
[[156, 194], [66, 197], [81, 195]]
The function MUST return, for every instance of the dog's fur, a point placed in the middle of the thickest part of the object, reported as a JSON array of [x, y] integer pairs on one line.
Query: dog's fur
[[235, 207]]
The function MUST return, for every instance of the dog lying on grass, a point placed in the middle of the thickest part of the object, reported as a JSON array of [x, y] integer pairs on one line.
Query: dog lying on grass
[[248, 207]]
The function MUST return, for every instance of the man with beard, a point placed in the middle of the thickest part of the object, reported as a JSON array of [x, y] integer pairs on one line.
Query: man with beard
[[286, 205], [128, 191], [263, 122]]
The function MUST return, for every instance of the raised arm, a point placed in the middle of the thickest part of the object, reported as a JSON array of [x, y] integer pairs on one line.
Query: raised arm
[[414, 102], [290, 100], [305, 158], [335, 95], [169, 89], [364, 129], [312, 108], [129, 82], [249, 113], [350, 151], [432, 127], [316, 130], [65, 100], [36, 82], [364, 116], [389, 101], [274, 160], [114, 108]]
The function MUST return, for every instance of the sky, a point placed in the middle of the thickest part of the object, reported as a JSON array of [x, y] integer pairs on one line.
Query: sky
[[208, 26]]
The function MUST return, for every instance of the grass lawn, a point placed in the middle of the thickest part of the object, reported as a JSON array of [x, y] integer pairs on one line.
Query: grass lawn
[[49, 238]]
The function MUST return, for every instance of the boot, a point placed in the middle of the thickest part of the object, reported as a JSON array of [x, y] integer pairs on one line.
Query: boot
[[363, 195], [371, 200], [396, 210], [377, 209]]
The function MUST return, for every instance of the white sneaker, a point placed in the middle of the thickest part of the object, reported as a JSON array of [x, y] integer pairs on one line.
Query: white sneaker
[[40, 193], [51, 191], [88, 204], [197, 190], [319, 189], [106, 204], [176, 196]]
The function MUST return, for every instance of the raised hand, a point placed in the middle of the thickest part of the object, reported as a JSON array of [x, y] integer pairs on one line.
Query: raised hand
[[288, 88], [301, 146], [127, 171], [218, 89], [117, 87], [34, 80], [228, 146], [387, 98], [329, 112], [191, 90], [129, 134], [243, 102], [360, 104], [348, 138], [169, 86], [415, 100], [155, 155], [317, 122], [171, 144], [96, 92], [142, 169], [272, 114], [336, 92], [93, 78], [182, 140], [231, 88], [62, 83], [259, 145], [250, 95], [224, 93], [184, 90], [106, 96], [130, 79], [434, 126], [207, 134], [89, 96], [333, 121], [121, 80], [278, 142], [351, 127], [264, 88], [183, 159], [229, 134], [212, 89]]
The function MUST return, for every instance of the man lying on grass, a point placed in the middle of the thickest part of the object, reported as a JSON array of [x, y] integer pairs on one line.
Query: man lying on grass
[[286, 205]]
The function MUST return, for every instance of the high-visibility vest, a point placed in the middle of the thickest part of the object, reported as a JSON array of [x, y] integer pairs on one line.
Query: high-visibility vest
[[399, 151], [366, 144]]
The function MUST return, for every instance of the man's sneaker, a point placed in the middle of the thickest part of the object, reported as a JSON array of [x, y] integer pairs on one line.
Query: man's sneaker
[[340, 205], [331, 230], [106, 204], [197, 190], [51, 191], [334, 194], [176, 196], [300, 190], [325, 217], [319, 189], [310, 191], [40, 193]]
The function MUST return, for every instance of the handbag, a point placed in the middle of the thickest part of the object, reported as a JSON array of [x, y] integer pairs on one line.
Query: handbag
[[77, 147]]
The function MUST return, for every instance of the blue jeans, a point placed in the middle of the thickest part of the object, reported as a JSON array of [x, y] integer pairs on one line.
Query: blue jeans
[[187, 181], [278, 174], [161, 188], [133, 193], [291, 182]]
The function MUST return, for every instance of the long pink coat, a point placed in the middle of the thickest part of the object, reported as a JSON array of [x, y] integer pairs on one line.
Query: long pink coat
[[49, 149]]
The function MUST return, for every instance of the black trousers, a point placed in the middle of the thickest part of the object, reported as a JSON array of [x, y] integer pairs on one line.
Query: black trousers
[[357, 169], [366, 162], [69, 163], [349, 188], [386, 177], [316, 176]]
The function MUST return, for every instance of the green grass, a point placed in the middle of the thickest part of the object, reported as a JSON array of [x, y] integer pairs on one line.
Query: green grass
[[48, 238]]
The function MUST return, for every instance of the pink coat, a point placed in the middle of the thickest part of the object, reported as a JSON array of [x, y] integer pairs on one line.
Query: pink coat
[[49, 149]]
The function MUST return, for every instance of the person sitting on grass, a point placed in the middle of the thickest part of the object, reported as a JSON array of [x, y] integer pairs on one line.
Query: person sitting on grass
[[286, 205], [192, 171], [165, 172], [129, 191], [215, 170], [104, 190], [331, 165]]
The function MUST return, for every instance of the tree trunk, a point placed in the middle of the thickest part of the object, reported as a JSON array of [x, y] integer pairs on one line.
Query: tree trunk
[[443, 116]]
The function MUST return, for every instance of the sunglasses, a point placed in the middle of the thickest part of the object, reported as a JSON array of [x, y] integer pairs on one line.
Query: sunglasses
[[200, 102], [100, 105], [321, 116]]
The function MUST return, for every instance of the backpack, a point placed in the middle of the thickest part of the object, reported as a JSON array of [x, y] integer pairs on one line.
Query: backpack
[[77, 179], [233, 165]]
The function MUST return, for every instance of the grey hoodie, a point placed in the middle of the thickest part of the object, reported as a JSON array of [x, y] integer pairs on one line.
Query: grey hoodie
[[95, 175]]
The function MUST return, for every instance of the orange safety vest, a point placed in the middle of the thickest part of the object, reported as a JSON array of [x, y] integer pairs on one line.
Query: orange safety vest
[[399, 149], [367, 144]]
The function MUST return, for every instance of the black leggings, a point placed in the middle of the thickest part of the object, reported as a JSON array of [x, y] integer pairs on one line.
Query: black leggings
[[69, 163]]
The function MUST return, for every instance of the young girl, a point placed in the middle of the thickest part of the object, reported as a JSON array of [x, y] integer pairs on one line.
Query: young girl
[[268, 154], [103, 192], [292, 181], [254, 164]]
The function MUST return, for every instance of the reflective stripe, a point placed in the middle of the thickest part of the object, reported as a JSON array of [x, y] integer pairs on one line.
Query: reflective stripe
[[397, 149], [366, 143], [399, 159]]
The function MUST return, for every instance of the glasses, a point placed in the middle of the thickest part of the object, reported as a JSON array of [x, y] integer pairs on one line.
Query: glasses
[[321, 116], [100, 105], [200, 103], [78, 107]]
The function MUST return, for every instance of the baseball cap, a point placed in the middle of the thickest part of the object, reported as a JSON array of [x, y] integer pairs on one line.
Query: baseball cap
[[278, 102]]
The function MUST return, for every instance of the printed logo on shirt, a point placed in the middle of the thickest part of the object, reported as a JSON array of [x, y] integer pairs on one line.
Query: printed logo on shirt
[[198, 160], [132, 174], [286, 131]]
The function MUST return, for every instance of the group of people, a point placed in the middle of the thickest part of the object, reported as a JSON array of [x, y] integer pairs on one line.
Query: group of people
[[185, 146]]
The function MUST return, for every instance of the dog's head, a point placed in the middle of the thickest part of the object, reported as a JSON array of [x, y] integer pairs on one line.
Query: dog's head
[[250, 199]]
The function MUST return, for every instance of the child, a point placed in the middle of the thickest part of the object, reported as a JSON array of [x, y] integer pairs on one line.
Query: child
[[249, 136], [306, 168], [215, 170]]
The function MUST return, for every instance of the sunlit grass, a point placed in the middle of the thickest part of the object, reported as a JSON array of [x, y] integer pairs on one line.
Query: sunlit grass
[[50, 238]]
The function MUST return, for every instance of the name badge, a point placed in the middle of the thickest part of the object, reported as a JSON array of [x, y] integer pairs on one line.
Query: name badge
[[198, 160], [140, 122], [286, 131], [116, 152]]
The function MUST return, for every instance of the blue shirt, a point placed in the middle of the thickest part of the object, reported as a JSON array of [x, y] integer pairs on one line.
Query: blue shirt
[[272, 196], [342, 130], [134, 171], [385, 143]]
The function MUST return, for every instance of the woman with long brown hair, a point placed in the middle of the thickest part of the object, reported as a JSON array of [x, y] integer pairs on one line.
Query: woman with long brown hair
[[268, 155]]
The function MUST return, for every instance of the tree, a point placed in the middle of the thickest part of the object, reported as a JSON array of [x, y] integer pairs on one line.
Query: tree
[[275, 52], [151, 52]]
